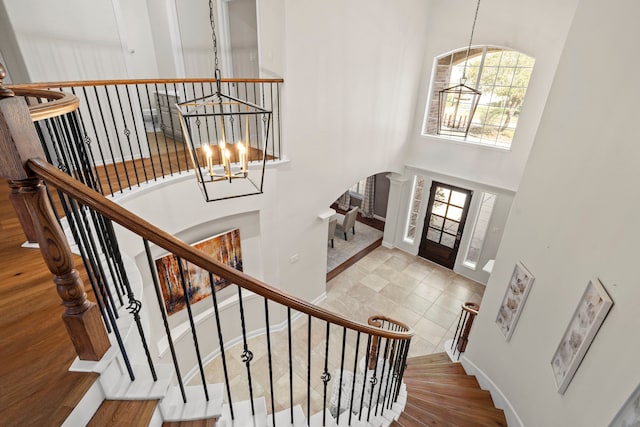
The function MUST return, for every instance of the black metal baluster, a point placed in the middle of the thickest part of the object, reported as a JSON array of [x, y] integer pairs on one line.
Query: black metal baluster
[[146, 133], [247, 355], [374, 381], [192, 325], [279, 122], [290, 363], [87, 142], [309, 367], [104, 288], [255, 116], [325, 377], [222, 352], [99, 233], [127, 133], [403, 366], [184, 148], [163, 126], [391, 372], [135, 130], [173, 132], [268, 326], [155, 134], [86, 261], [106, 132], [161, 307], [134, 305], [84, 151], [88, 237], [384, 365], [115, 127], [99, 145], [344, 343], [364, 380], [455, 336], [355, 374], [273, 146]]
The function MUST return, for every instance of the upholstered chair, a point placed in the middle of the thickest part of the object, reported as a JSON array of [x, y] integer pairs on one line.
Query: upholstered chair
[[349, 222], [332, 229]]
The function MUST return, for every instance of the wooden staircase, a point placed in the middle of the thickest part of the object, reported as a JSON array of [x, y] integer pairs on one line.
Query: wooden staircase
[[440, 393]]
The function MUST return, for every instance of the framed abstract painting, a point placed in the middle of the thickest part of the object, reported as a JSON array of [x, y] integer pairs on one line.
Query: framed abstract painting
[[193, 284]]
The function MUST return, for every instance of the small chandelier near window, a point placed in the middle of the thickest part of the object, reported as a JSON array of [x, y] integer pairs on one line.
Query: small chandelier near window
[[224, 134], [457, 104]]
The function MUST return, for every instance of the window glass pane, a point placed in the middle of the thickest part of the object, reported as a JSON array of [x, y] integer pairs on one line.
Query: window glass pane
[[501, 76], [412, 220], [433, 235], [458, 198], [480, 230], [439, 208], [454, 213], [448, 240], [436, 222], [442, 194], [509, 58], [451, 226]]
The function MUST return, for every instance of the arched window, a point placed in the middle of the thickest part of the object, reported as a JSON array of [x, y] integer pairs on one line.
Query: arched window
[[501, 75]]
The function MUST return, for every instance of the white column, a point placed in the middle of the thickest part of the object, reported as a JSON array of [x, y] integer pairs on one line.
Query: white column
[[396, 210]]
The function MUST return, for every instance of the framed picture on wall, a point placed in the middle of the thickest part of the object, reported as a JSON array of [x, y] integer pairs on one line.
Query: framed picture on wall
[[514, 298], [587, 318], [224, 247], [629, 414]]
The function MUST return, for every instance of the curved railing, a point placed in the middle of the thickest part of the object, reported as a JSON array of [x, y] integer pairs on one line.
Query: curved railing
[[333, 343], [130, 130]]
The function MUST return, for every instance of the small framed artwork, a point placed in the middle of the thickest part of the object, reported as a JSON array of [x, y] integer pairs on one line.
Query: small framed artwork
[[629, 414], [587, 318], [514, 299], [224, 247]]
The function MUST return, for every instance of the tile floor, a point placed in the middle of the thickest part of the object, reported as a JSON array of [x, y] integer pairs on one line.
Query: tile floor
[[419, 293]]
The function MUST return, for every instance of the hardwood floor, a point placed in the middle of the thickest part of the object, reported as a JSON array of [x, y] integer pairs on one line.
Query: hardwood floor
[[35, 350]]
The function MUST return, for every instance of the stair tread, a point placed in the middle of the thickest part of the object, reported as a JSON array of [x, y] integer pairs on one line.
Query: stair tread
[[197, 407], [449, 401], [242, 414], [121, 412], [192, 423], [451, 367], [455, 379], [468, 416], [451, 391], [283, 418], [430, 358], [407, 420]]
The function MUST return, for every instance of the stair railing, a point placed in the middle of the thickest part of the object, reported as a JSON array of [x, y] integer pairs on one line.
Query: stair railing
[[332, 342], [468, 314], [129, 129]]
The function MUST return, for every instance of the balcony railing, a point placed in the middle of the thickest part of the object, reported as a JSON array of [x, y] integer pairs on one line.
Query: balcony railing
[[128, 132], [297, 356]]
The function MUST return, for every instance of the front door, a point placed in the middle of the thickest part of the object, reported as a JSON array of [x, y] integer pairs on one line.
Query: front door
[[444, 222]]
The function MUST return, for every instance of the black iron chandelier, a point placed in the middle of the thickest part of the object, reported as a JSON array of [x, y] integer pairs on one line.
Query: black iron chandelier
[[457, 104], [224, 134]]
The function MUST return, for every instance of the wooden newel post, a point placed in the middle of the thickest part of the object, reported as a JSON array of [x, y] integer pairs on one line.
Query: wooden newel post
[[18, 143]]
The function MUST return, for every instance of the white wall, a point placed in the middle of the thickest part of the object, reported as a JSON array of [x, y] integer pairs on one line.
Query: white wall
[[537, 29], [574, 217], [79, 40], [351, 74]]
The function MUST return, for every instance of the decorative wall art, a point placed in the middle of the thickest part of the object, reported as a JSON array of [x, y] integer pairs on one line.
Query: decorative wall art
[[224, 247], [629, 414], [585, 322], [514, 299]]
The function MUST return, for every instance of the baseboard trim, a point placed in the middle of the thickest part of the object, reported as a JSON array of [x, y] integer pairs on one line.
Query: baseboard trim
[[499, 399]]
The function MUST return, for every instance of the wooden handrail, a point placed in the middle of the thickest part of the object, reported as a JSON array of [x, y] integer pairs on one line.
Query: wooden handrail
[[471, 307], [59, 102], [80, 83], [150, 232], [375, 321]]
